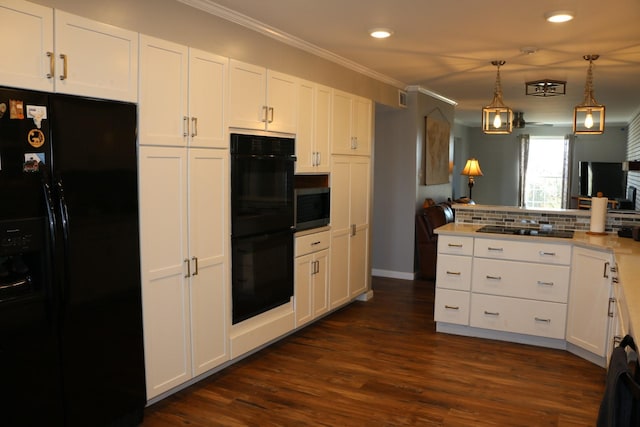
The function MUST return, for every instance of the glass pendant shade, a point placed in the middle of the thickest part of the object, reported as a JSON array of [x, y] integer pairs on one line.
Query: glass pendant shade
[[588, 117], [497, 118]]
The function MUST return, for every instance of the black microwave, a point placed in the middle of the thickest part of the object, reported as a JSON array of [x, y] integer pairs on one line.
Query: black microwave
[[312, 207]]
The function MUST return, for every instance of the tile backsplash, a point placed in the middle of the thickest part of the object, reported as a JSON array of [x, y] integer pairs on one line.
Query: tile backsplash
[[560, 219]]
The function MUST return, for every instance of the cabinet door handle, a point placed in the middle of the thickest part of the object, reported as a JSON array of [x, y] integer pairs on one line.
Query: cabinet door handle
[[452, 307], [494, 277], [195, 262], [455, 245], [543, 253], [186, 261], [271, 114], [491, 313], [540, 319], [606, 267], [185, 126], [612, 302], [265, 112], [52, 65], [317, 267], [453, 273], [194, 127], [353, 230], [495, 249], [318, 159], [64, 66], [540, 282]]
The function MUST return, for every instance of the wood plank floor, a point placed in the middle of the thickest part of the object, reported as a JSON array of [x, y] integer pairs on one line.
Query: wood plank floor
[[381, 363]]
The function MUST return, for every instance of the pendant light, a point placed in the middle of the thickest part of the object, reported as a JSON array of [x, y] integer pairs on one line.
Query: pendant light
[[497, 118], [588, 117]]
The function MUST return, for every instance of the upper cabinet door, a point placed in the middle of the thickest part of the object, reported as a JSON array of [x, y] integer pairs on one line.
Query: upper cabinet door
[[95, 59], [27, 32], [163, 92], [207, 99], [247, 103], [282, 102]]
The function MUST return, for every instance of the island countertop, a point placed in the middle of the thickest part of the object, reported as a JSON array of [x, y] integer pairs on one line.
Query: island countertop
[[625, 250]]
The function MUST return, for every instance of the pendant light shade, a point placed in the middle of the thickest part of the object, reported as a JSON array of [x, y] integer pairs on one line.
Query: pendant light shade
[[497, 118], [588, 117]]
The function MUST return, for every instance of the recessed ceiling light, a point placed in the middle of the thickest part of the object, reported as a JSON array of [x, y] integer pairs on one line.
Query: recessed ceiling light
[[380, 33], [559, 16]]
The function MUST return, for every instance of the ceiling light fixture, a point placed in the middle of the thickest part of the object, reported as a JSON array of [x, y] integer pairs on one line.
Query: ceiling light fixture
[[380, 33], [559, 16], [497, 118], [546, 87], [588, 117]]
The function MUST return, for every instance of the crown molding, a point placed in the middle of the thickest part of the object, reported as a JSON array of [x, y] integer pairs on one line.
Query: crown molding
[[416, 88], [260, 27]]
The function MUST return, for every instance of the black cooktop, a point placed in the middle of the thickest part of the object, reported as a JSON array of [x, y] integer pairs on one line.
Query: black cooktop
[[499, 229]]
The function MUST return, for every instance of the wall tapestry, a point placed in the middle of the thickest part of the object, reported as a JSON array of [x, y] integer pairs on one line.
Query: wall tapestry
[[436, 154]]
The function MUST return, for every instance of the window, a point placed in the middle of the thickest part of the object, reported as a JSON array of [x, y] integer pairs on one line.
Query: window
[[544, 172]]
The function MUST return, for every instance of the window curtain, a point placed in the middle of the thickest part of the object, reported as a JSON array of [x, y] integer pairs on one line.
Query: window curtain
[[524, 160], [569, 141]]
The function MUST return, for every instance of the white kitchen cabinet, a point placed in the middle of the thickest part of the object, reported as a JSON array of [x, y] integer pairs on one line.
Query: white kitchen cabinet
[[25, 64], [182, 95], [589, 300], [314, 128], [311, 276], [351, 124], [88, 58], [453, 280], [261, 99], [350, 200], [184, 262]]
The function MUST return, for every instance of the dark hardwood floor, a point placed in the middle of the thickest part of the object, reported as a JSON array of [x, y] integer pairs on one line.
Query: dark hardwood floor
[[381, 363]]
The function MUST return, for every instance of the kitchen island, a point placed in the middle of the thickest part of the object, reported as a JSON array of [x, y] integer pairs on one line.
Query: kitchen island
[[624, 252]]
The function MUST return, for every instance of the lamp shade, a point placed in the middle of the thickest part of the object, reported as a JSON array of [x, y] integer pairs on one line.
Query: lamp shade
[[497, 118], [588, 117], [472, 168]]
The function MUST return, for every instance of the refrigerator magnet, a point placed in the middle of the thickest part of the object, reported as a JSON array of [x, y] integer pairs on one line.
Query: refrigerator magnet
[[32, 162], [35, 137], [37, 113], [16, 109]]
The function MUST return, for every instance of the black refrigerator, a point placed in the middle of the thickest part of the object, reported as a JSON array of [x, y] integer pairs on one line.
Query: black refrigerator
[[71, 343]]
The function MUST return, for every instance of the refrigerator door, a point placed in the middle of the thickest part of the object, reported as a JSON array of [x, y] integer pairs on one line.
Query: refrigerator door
[[95, 177], [29, 364]]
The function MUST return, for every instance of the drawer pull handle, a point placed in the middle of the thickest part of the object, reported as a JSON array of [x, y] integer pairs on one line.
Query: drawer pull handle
[[540, 282], [491, 313], [452, 307], [455, 245], [495, 249], [540, 319], [315, 243], [454, 273], [543, 253], [494, 277]]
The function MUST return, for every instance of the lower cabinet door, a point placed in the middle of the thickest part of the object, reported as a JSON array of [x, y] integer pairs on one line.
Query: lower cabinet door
[[451, 306], [521, 316]]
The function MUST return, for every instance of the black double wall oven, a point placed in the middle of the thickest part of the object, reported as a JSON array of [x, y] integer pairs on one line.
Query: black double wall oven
[[262, 223]]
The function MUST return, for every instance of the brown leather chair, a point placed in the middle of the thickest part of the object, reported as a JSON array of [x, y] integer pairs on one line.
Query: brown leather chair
[[427, 221]]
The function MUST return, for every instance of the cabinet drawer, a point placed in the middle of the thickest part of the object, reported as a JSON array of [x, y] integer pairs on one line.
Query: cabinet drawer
[[547, 253], [312, 242], [451, 306], [540, 318], [521, 279], [455, 245], [453, 272]]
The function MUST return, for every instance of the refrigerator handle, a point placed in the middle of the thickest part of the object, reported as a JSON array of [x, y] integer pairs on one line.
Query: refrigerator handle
[[51, 217], [64, 219]]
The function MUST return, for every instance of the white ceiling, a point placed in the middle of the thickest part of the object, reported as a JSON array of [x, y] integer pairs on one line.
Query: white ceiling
[[446, 46]]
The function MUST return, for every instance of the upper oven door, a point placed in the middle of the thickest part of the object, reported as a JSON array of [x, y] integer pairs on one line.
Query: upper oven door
[[262, 198]]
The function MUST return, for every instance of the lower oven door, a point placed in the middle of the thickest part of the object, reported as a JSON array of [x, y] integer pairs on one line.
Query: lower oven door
[[262, 273]]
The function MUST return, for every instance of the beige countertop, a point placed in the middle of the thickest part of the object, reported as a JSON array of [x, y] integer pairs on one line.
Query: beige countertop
[[625, 250]]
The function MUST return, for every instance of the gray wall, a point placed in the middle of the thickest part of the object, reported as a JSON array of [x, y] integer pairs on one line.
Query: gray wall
[[397, 171], [177, 22], [498, 157]]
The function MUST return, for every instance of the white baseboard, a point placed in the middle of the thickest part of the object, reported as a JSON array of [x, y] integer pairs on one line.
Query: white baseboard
[[393, 274]]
